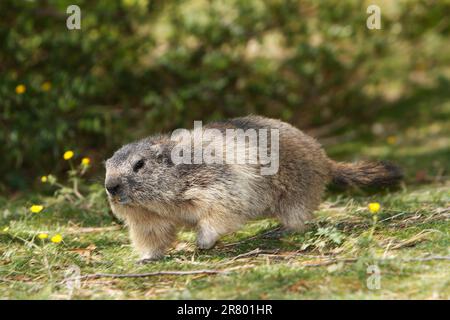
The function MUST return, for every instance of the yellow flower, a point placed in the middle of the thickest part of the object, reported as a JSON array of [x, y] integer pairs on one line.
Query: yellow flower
[[44, 179], [374, 207], [57, 238], [5, 229], [391, 139], [46, 86], [85, 161], [43, 236], [36, 208], [20, 89], [68, 155]]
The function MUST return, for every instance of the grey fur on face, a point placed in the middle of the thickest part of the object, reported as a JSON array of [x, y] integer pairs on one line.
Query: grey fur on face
[[155, 197], [140, 173]]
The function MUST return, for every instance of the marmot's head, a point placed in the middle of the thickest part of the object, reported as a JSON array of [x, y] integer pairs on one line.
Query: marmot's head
[[142, 173]]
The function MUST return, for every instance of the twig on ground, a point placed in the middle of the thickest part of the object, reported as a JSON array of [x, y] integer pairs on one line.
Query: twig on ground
[[429, 258], [287, 255], [438, 214], [149, 274], [394, 216], [418, 238], [275, 254], [328, 262], [255, 252], [146, 274]]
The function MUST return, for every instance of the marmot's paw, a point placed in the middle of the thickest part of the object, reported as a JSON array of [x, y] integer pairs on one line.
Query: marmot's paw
[[204, 245], [278, 233], [146, 261], [149, 259], [206, 238]]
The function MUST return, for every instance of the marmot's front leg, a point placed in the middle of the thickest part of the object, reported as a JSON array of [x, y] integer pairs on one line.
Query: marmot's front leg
[[151, 239]]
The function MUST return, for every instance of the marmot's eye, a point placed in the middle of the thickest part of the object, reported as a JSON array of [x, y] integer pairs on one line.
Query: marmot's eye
[[138, 165]]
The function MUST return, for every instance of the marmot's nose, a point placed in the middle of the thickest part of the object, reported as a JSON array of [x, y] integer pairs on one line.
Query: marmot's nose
[[113, 186]]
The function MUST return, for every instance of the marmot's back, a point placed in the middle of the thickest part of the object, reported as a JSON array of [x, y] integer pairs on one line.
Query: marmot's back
[[297, 151]]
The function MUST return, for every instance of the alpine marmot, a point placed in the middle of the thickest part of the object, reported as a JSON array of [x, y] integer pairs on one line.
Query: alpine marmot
[[156, 195]]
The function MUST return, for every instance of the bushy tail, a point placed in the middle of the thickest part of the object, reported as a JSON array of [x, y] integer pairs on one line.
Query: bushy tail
[[366, 174]]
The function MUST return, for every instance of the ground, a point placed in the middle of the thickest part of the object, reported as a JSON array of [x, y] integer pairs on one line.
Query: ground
[[347, 254]]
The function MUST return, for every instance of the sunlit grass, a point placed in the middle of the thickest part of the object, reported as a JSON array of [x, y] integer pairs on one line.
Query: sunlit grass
[[328, 262]]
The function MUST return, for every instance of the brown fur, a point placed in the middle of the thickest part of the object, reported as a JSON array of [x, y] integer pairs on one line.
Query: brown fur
[[218, 199], [365, 174]]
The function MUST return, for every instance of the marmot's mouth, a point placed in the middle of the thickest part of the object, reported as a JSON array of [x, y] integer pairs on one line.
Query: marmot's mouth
[[122, 200]]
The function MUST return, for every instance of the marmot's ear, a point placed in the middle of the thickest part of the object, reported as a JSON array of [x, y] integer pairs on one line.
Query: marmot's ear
[[163, 153], [158, 149]]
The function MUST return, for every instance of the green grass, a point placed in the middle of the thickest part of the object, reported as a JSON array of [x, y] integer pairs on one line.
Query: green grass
[[328, 262], [32, 269]]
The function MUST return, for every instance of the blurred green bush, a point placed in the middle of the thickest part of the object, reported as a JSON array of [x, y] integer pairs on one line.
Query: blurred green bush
[[140, 66]]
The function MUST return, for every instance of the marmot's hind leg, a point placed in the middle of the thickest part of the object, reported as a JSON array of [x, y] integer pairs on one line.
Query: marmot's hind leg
[[152, 240], [294, 215], [207, 235]]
